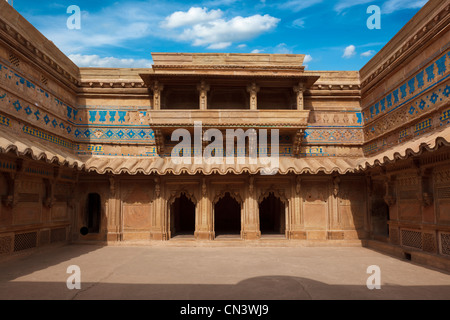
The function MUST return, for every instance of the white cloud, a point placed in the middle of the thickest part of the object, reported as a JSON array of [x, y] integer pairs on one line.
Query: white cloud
[[95, 61], [242, 46], [216, 3], [349, 52], [220, 45], [257, 51], [192, 17], [345, 4], [111, 26], [299, 23], [391, 6], [282, 48], [219, 33], [298, 5], [307, 60], [368, 53]]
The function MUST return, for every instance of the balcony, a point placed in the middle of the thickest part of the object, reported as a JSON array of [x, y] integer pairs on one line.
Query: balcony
[[289, 119]]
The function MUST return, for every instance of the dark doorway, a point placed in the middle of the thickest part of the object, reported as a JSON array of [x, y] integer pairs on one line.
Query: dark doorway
[[227, 213], [94, 209], [380, 218], [272, 215], [182, 217]]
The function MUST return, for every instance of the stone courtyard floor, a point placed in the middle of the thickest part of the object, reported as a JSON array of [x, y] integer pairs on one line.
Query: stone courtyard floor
[[216, 273]]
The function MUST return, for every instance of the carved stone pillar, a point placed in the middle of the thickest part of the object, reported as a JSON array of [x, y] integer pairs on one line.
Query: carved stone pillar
[[251, 228], [203, 89], [114, 214], [157, 90], [159, 215], [204, 228], [253, 89], [11, 199], [49, 199], [299, 90], [390, 198], [425, 194], [296, 228]]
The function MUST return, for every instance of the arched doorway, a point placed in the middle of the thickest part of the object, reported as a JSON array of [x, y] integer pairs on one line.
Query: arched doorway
[[227, 216], [272, 215], [182, 216], [94, 209]]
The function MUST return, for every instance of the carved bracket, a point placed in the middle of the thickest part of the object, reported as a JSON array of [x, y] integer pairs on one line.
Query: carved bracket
[[298, 185], [157, 188], [204, 188], [112, 185], [11, 199], [298, 139], [390, 197], [251, 186], [426, 190], [49, 199], [336, 184]]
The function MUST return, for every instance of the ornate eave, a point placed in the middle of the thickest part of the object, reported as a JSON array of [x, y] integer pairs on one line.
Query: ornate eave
[[45, 57], [385, 62]]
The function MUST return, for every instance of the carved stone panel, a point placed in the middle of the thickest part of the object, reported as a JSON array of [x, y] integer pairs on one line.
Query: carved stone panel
[[315, 205], [59, 212], [137, 217], [351, 205]]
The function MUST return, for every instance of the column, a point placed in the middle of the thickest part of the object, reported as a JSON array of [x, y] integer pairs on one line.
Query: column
[[296, 228], [203, 89], [157, 90], [299, 90], [204, 226], [159, 214], [253, 89], [251, 227], [114, 224]]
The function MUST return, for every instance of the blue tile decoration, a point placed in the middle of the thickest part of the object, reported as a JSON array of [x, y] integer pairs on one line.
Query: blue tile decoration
[[441, 65], [410, 87], [4, 121], [430, 73], [420, 80]]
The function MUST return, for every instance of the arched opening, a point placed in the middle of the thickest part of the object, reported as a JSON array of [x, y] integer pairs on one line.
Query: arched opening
[[94, 210], [272, 215], [182, 217], [227, 215]]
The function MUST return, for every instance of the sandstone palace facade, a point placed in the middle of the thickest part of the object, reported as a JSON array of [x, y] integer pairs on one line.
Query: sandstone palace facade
[[364, 157]]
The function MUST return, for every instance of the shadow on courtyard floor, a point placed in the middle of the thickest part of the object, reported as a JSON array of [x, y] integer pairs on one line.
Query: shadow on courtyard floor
[[260, 288], [121, 274]]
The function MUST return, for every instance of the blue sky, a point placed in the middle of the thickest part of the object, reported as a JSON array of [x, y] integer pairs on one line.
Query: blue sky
[[333, 34]]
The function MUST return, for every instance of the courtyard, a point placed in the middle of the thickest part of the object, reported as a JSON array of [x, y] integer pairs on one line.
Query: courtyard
[[225, 272]]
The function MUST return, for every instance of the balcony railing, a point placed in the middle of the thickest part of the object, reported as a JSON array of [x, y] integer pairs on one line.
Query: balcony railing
[[229, 118]]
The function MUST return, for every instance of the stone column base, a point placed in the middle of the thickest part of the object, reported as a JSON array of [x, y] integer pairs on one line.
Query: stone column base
[[113, 236], [251, 235], [204, 235], [297, 235], [159, 236]]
